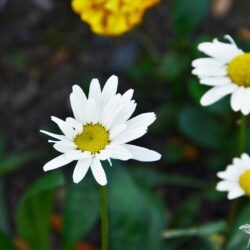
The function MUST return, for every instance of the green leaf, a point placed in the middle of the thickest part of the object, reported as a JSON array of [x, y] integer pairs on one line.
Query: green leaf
[[150, 177], [137, 215], [34, 211], [201, 127], [5, 242], [12, 162], [173, 65], [81, 211], [202, 231], [187, 214], [188, 15], [195, 89]]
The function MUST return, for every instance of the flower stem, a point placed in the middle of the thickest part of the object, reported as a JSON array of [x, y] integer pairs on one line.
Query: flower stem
[[243, 136], [242, 147], [104, 217]]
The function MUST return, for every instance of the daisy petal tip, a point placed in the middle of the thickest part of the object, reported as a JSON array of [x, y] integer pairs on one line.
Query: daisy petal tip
[[114, 77], [75, 87], [203, 102], [45, 168], [158, 156], [104, 183], [245, 112], [76, 180]]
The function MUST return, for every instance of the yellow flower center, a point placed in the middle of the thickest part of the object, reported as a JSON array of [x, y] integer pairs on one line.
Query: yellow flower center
[[239, 70], [94, 138], [245, 182]]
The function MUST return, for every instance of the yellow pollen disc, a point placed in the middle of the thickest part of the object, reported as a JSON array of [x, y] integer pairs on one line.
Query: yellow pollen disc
[[94, 138], [245, 182], [239, 70]]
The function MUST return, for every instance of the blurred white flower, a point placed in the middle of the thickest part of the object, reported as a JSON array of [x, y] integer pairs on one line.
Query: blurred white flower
[[236, 178], [246, 229], [100, 130], [227, 70]]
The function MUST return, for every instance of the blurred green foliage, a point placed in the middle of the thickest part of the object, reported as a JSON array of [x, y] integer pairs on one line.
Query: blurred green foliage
[[144, 214]]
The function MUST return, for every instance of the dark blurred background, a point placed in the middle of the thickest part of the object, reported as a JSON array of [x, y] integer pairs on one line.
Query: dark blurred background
[[44, 50]]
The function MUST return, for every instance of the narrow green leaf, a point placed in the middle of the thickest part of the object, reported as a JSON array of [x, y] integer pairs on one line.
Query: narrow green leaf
[[34, 211], [202, 231], [12, 162]]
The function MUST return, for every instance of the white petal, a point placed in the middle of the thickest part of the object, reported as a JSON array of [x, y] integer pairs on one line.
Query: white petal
[[128, 135], [110, 88], [226, 185], [76, 125], [94, 89], [118, 129], [90, 112], [119, 152], [237, 98], [67, 130], [229, 175], [78, 100], [111, 118], [246, 158], [78, 155], [215, 81], [224, 52], [98, 172], [59, 137], [207, 62], [142, 154], [235, 193], [209, 71], [104, 154], [245, 102], [217, 93], [126, 97], [81, 169], [64, 147], [142, 120], [57, 162], [108, 109], [124, 114]]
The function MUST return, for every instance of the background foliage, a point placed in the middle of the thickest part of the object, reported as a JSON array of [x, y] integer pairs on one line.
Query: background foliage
[[171, 204]]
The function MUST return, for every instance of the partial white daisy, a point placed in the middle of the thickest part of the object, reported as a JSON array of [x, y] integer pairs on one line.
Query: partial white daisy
[[227, 70], [236, 178], [100, 130], [246, 228]]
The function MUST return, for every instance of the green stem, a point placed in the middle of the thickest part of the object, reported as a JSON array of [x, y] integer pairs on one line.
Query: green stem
[[242, 147], [243, 136], [104, 217]]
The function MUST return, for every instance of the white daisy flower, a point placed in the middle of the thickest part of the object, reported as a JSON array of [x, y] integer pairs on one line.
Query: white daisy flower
[[227, 70], [236, 178], [246, 228], [100, 130]]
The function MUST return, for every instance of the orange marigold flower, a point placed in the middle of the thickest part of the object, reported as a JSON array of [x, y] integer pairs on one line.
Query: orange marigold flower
[[112, 17]]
